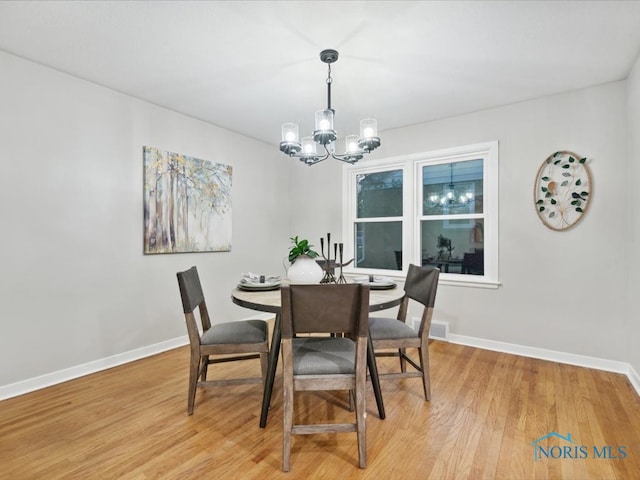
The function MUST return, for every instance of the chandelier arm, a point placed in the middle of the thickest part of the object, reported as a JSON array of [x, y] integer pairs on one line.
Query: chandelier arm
[[313, 160], [347, 157], [326, 155], [310, 159]]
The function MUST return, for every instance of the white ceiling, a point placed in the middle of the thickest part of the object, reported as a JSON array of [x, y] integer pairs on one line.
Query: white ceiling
[[250, 66]]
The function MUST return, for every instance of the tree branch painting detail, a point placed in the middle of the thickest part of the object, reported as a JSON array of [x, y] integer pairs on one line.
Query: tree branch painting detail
[[187, 204]]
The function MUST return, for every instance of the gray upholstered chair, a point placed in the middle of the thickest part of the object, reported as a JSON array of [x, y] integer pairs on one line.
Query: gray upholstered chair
[[394, 333], [335, 359], [241, 340]]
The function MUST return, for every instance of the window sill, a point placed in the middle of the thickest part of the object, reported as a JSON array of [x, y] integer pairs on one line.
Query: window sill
[[479, 283], [445, 279]]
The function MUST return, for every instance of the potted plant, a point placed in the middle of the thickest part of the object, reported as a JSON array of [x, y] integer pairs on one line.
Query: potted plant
[[304, 268], [444, 243], [301, 247]]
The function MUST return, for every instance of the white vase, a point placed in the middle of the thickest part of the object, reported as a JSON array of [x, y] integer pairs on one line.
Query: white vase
[[304, 269]]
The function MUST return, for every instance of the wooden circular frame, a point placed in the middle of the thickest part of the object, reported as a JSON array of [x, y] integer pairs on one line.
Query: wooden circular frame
[[562, 191]]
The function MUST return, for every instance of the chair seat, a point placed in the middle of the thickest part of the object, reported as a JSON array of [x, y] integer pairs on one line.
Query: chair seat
[[389, 328], [246, 331], [323, 356]]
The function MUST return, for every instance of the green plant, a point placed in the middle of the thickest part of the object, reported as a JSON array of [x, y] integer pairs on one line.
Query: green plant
[[301, 247], [444, 243]]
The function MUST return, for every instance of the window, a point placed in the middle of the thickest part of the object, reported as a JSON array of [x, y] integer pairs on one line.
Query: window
[[378, 229], [435, 208]]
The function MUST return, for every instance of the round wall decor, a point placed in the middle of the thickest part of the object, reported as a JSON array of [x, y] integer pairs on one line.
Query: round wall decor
[[562, 190]]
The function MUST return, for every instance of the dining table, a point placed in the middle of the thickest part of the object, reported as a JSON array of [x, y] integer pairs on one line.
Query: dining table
[[270, 301]]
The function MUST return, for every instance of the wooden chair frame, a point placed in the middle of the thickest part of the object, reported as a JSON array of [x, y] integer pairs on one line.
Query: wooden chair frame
[[355, 382], [420, 342], [200, 358]]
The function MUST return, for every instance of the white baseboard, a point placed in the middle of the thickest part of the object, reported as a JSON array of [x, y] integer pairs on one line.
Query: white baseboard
[[53, 378], [36, 383], [551, 355], [634, 378]]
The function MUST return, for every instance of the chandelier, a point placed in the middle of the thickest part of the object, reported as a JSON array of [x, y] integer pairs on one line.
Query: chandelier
[[325, 135], [451, 196]]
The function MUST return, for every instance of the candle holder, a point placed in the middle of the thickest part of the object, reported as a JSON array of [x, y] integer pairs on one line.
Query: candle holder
[[329, 264]]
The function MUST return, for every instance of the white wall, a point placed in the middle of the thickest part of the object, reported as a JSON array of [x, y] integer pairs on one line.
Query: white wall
[[633, 316], [316, 196], [75, 286], [561, 291]]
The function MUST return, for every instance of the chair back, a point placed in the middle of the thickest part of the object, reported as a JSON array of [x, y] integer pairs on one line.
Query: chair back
[[421, 284], [322, 308], [192, 298], [190, 289]]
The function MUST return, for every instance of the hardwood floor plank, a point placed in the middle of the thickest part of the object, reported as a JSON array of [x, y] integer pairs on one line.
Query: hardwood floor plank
[[130, 423]]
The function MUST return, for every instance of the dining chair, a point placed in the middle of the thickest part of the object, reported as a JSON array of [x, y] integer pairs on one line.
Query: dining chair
[[333, 356], [393, 333], [230, 341]]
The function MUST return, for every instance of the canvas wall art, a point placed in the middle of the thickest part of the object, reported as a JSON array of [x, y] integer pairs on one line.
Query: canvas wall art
[[187, 203]]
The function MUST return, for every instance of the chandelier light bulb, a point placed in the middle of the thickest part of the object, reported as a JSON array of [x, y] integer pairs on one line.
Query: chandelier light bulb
[[290, 132], [324, 120], [308, 146], [351, 144], [368, 128]]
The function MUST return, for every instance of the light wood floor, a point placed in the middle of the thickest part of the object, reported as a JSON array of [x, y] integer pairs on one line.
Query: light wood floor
[[130, 422]]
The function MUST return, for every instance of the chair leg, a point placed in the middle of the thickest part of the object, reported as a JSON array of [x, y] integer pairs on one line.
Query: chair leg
[[403, 362], [287, 425], [194, 367], [424, 364], [361, 426], [264, 365], [203, 368]]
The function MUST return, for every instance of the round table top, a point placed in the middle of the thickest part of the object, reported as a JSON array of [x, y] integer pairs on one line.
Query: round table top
[[269, 301]]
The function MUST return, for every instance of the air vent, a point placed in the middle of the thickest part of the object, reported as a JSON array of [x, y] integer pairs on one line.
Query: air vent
[[439, 330]]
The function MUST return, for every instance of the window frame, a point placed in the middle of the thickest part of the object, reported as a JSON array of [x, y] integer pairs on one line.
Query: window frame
[[411, 166]]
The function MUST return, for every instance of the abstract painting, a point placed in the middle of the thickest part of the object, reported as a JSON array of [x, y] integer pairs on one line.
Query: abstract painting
[[187, 203]]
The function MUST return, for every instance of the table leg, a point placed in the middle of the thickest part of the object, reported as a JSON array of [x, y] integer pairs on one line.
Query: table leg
[[375, 380], [274, 352]]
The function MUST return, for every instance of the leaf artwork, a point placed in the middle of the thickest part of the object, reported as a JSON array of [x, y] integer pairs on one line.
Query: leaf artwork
[[562, 190], [187, 203]]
